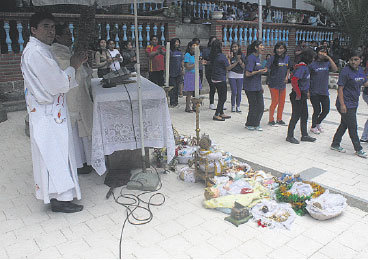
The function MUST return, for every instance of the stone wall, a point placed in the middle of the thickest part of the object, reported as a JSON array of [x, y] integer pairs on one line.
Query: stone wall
[[11, 82]]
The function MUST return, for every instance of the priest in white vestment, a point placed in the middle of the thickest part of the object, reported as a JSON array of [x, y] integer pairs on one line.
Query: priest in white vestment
[[79, 101], [54, 167]]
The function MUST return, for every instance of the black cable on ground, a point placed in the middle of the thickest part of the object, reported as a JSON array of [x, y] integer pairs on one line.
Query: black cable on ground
[[137, 203]]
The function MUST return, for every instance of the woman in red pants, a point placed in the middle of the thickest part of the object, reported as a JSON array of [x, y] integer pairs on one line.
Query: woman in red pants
[[279, 67]]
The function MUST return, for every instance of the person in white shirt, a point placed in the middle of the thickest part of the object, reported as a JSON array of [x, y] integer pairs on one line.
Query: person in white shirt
[[78, 99], [54, 167], [115, 55]]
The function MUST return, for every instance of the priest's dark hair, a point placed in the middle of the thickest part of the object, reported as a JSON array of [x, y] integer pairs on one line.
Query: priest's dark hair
[[59, 28], [38, 17]]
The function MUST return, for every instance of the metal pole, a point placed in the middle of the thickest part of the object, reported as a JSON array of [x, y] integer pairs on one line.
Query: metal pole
[[140, 107], [260, 20]]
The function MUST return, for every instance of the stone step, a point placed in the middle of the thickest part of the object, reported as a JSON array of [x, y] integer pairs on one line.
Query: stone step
[[16, 105]]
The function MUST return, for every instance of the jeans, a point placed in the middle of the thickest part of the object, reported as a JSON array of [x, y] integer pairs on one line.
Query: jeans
[[299, 111], [256, 107], [318, 101], [365, 131], [157, 77], [222, 95], [236, 89], [173, 94], [211, 84], [348, 121], [278, 99]]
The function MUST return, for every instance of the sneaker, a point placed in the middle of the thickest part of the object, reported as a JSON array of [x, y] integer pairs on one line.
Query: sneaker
[[258, 128], [272, 123], [362, 154], [251, 128], [292, 140], [308, 138], [315, 130], [233, 109], [338, 148], [212, 106], [363, 141], [280, 122], [238, 110], [320, 129]]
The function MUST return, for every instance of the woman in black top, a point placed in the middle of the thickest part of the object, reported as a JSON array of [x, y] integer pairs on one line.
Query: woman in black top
[[208, 71], [129, 55], [220, 65]]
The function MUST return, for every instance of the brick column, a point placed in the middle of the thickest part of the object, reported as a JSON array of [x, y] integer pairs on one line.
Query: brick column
[[216, 30], [171, 27], [292, 43]]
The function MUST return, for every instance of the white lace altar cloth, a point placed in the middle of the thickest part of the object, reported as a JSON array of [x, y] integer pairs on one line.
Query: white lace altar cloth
[[116, 120]]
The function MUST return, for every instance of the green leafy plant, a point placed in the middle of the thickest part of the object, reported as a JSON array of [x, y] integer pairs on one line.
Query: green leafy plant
[[350, 16]]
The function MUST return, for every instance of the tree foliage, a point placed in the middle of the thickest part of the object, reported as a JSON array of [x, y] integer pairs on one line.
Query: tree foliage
[[350, 16]]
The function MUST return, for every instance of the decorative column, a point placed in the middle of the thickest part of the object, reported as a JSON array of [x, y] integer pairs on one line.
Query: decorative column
[[117, 36], [20, 36], [140, 38], [8, 40], [148, 34]]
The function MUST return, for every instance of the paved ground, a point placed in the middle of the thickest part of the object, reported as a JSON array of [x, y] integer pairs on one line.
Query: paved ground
[[182, 228], [345, 172]]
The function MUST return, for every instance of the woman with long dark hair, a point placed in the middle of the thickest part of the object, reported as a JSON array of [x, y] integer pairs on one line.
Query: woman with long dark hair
[[175, 70], [102, 58], [236, 75], [220, 65], [298, 97], [351, 78], [253, 86], [319, 94], [279, 69], [208, 71], [189, 76]]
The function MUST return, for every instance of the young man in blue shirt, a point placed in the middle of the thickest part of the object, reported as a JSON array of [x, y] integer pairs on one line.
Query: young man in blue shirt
[[351, 78]]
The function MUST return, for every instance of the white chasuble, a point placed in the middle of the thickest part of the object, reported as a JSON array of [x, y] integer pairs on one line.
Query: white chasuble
[[53, 158]]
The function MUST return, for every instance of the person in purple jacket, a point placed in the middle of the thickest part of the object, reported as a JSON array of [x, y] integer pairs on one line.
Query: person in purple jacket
[[279, 67], [253, 86], [220, 65], [319, 95], [298, 98], [351, 78]]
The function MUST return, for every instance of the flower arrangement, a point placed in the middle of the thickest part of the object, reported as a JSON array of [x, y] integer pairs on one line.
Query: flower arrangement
[[297, 202]]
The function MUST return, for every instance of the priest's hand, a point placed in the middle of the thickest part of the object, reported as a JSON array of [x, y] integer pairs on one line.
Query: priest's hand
[[78, 59]]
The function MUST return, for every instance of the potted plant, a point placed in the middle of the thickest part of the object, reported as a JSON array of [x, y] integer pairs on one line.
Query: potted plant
[[292, 18], [217, 14]]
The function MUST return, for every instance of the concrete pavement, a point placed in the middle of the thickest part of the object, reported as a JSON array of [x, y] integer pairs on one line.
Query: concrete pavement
[[181, 227]]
